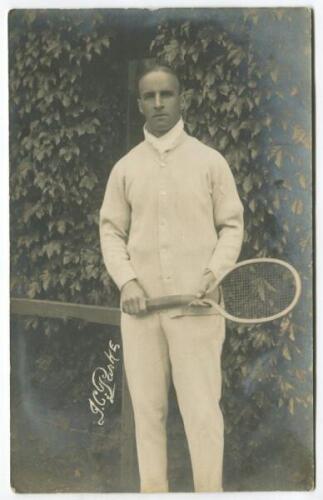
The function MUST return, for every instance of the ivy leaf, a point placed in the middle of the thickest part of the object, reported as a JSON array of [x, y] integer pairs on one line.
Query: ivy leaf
[[291, 333], [172, 50], [279, 157], [297, 207], [212, 94], [254, 153], [51, 248], [252, 205], [261, 291], [294, 90], [300, 137], [276, 202], [286, 353], [24, 168], [210, 78], [66, 101], [224, 141], [61, 227], [219, 71], [235, 133], [88, 182], [247, 184], [45, 280], [302, 181], [212, 129], [33, 290], [105, 41], [224, 89], [274, 74]]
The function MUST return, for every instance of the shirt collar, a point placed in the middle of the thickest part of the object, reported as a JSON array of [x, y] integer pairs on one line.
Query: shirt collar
[[166, 141]]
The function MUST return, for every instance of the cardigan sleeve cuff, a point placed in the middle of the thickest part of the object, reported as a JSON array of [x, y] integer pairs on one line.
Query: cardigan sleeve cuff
[[218, 269], [121, 277]]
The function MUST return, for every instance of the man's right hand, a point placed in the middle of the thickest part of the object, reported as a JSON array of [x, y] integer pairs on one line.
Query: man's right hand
[[133, 298]]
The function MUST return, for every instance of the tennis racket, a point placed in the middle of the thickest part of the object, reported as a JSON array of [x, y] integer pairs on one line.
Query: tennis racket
[[253, 291]]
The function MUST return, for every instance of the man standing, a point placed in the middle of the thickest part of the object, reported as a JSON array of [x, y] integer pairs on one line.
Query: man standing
[[171, 222]]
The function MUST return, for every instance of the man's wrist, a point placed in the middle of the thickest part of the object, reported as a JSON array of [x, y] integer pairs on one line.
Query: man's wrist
[[207, 270]]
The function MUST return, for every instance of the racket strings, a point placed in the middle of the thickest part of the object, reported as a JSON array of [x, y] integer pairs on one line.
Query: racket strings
[[258, 290]]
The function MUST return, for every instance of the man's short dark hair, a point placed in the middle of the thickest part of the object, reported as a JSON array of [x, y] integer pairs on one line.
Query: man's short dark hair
[[157, 67]]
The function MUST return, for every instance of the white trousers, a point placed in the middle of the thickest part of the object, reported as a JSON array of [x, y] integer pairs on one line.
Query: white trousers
[[155, 347]]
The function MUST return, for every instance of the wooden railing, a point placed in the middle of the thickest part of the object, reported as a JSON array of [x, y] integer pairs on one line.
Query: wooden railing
[[63, 310], [104, 316]]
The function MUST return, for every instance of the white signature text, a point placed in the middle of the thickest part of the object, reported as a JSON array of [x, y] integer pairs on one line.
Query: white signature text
[[103, 383]]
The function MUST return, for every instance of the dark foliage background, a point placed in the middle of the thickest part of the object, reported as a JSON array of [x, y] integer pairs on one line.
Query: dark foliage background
[[246, 75]]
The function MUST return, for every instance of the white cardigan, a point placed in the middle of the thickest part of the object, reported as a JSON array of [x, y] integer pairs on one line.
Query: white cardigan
[[166, 217]]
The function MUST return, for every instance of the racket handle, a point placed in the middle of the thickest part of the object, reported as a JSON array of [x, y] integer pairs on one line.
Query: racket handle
[[169, 301]]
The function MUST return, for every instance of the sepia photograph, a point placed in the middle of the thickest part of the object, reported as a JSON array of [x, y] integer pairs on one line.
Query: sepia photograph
[[161, 250]]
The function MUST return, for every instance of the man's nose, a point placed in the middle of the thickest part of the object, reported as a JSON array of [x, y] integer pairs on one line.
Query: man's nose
[[158, 101]]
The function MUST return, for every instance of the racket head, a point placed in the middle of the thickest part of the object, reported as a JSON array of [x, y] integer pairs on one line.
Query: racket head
[[259, 290]]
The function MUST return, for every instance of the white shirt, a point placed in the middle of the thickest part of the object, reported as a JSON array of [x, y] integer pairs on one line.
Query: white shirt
[[166, 141]]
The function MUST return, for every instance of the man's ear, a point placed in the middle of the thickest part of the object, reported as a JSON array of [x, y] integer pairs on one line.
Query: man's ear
[[140, 106]]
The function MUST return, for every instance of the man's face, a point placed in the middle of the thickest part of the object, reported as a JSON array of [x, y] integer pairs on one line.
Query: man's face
[[159, 101]]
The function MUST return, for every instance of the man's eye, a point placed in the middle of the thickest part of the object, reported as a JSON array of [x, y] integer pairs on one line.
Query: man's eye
[[162, 95]]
